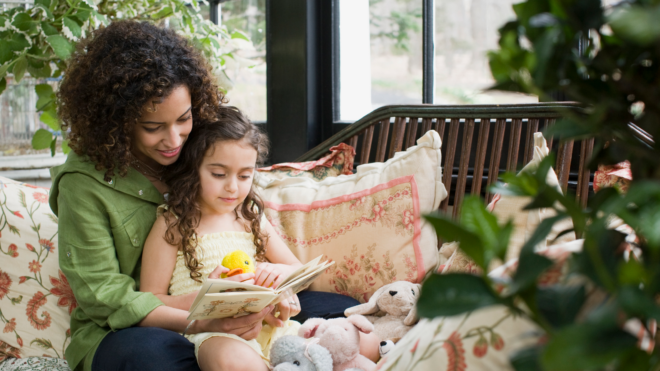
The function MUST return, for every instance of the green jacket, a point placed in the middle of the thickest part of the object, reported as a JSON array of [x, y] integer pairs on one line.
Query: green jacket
[[102, 229]]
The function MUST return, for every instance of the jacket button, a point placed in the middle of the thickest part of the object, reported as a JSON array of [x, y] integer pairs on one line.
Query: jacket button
[[110, 181], [68, 254], [140, 192], [135, 241]]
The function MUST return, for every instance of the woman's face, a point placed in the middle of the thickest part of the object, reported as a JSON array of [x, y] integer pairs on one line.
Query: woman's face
[[163, 127]]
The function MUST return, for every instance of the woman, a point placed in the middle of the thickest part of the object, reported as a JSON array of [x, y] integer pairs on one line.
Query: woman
[[131, 95]]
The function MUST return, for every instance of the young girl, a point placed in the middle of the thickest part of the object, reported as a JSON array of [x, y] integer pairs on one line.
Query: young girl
[[212, 210]]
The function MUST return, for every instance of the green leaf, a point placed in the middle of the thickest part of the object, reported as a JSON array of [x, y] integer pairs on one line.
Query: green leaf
[[83, 15], [449, 230], [65, 147], [527, 359], [560, 304], [638, 304], [452, 294], [239, 35], [61, 46], [165, 12], [14, 230], [9, 47], [19, 68], [49, 29], [530, 267], [3, 84], [24, 22], [71, 26], [540, 233], [586, 347], [50, 118], [42, 139], [42, 72], [53, 146], [45, 95], [45, 3], [636, 23], [475, 218]]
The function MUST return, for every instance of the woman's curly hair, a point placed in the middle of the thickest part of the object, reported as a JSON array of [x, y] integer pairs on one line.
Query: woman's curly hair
[[184, 182], [114, 73]]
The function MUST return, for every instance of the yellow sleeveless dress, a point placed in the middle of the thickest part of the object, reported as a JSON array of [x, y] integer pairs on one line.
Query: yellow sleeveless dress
[[211, 249]]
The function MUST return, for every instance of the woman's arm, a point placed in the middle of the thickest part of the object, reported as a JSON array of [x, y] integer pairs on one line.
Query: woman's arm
[[158, 261]]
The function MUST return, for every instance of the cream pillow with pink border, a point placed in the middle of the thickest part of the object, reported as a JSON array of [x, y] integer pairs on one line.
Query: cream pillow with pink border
[[369, 223]]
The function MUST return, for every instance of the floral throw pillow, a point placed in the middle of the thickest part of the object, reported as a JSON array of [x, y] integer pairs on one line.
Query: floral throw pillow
[[368, 223], [338, 162], [35, 298]]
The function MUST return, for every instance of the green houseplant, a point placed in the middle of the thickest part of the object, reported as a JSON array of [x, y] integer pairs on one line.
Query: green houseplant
[[607, 58], [37, 41]]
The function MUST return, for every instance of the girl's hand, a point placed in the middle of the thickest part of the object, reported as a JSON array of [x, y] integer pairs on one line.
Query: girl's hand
[[268, 273], [247, 327], [289, 307], [245, 277]]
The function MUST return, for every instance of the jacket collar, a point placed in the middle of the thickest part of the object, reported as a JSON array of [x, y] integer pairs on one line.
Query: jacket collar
[[134, 183]]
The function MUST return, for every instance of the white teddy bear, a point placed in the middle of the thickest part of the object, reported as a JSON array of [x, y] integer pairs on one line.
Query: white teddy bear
[[398, 300]]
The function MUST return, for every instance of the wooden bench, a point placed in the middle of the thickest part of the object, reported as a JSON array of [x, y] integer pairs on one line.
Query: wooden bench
[[494, 139]]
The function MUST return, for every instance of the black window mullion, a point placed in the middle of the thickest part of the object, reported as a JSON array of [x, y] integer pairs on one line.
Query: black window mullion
[[428, 53]]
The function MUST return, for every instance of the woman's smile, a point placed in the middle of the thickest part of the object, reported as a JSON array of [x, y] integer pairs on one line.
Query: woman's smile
[[171, 152]]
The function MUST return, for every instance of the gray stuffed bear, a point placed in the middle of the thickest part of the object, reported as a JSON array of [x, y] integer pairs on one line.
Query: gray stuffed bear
[[290, 353]]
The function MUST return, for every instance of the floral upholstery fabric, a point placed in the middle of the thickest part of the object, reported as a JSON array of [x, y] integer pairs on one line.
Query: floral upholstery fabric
[[368, 223], [35, 364], [479, 340], [618, 176], [35, 298], [338, 162]]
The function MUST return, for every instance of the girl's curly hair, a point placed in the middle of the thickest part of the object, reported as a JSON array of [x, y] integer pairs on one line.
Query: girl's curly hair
[[184, 182], [112, 75]]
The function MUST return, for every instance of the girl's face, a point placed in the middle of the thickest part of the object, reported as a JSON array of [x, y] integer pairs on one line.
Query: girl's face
[[162, 129], [226, 176]]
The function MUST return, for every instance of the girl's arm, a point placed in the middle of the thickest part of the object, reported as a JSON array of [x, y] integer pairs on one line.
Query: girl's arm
[[158, 261], [282, 261]]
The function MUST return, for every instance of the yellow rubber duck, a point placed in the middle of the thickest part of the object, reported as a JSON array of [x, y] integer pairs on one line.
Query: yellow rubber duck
[[238, 262]]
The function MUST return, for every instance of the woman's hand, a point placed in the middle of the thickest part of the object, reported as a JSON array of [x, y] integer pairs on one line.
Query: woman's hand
[[268, 274], [244, 277], [246, 327], [288, 308]]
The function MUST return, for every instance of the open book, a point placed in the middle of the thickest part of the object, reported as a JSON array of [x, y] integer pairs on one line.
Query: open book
[[219, 298]]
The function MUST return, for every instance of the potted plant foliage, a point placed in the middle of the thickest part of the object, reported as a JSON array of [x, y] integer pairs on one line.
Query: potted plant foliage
[[608, 59]]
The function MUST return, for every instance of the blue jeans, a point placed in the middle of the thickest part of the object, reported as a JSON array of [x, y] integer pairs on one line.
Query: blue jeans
[[322, 304], [145, 348], [153, 348]]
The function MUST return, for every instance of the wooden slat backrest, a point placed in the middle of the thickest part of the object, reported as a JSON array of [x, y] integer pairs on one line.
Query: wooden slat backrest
[[500, 128]]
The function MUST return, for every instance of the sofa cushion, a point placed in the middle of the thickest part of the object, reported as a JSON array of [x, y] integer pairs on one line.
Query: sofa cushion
[[35, 297], [525, 222], [35, 364], [481, 340], [338, 162], [368, 223]]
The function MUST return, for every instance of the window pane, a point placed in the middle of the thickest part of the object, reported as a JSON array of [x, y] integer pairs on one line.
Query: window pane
[[380, 55], [247, 70], [465, 31]]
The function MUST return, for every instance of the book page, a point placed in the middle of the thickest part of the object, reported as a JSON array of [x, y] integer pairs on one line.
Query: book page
[[302, 282], [219, 285], [304, 269], [223, 305]]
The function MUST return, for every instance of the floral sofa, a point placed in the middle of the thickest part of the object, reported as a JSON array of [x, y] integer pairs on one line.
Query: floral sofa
[[369, 222]]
